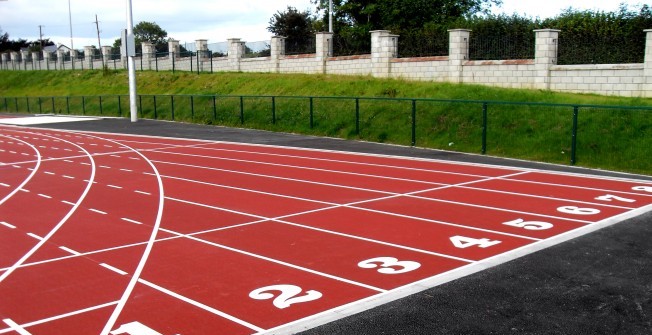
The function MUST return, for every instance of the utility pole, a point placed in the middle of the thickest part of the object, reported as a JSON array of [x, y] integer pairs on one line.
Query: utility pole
[[330, 16], [99, 44], [40, 36]]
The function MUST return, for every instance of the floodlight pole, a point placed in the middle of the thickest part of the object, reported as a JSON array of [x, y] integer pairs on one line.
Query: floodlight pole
[[133, 107], [330, 16]]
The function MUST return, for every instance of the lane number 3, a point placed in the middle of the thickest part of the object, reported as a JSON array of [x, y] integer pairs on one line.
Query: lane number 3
[[289, 294], [389, 265]]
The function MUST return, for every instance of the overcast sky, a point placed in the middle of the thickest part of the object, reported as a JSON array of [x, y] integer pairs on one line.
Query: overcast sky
[[188, 20]]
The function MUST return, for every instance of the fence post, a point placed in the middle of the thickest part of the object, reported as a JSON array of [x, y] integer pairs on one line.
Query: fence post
[[83, 105], [214, 108], [576, 110], [155, 111], [273, 110], [311, 114], [241, 109], [192, 108], [54, 110], [414, 122], [172, 104], [484, 128], [27, 100], [68, 105], [100, 105], [357, 116], [40, 108], [119, 106]]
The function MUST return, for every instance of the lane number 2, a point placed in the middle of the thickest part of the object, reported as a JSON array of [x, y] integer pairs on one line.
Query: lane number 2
[[389, 265], [289, 294]]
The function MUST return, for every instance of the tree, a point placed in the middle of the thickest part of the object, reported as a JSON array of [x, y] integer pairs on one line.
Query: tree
[[147, 32], [296, 26], [398, 15]]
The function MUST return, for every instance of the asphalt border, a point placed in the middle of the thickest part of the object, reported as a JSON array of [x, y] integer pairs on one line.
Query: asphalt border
[[600, 283]]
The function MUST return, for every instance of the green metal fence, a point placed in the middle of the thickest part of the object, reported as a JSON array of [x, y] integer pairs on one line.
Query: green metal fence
[[556, 133]]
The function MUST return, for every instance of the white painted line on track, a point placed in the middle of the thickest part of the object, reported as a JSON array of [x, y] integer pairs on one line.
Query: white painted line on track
[[35, 236], [27, 255], [97, 211], [44, 196], [68, 202], [114, 269], [202, 306], [68, 177], [28, 178], [62, 316], [8, 225], [142, 192], [4, 185], [114, 186], [130, 220], [15, 327], [76, 253]]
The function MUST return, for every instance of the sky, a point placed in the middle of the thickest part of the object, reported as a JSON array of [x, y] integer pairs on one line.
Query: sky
[[189, 20]]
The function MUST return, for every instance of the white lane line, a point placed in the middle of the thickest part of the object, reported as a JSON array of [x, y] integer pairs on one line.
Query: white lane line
[[15, 327], [126, 170], [29, 254], [132, 221], [105, 167], [114, 186], [28, 178], [44, 196], [50, 173], [68, 177], [24, 190], [202, 306], [68, 161], [142, 192], [7, 224], [62, 316], [114, 269], [4, 185], [35, 236], [68, 202], [76, 253], [97, 211], [148, 248]]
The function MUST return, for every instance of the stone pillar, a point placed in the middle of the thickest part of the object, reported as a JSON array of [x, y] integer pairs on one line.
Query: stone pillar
[[47, 57], [277, 50], [74, 54], [174, 49], [25, 57], [5, 61], [149, 52], [235, 53], [384, 47], [647, 65], [106, 54], [89, 52], [36, 61], [545, 56], [324, 49], [61, 56], [15, 61], [202, 49], [458, 53]]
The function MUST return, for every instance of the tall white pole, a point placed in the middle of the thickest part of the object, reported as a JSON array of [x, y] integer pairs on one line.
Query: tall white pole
[[330, 16], [133, 107], [72, 47]]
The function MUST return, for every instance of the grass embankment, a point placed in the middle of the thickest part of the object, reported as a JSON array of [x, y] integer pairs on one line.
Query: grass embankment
[[608, 138]]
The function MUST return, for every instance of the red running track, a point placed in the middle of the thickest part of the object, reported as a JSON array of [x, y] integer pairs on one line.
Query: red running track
[[116, 234]]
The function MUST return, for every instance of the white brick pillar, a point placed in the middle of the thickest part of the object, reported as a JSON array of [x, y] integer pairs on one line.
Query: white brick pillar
[[106, 54], [74, 54], [323, 49], [545, 56], [5, 61], [47, 57], [88, 57], [384, 47], [149, 52], [235, 53], [458, 53], [202, 48], [25, 57], [61, 55], [277, 50], [14, 60], [174, 49], [35, 59], [647, 65]]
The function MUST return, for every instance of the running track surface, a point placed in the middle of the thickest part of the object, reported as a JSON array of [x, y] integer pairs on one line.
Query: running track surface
[[116, 234]]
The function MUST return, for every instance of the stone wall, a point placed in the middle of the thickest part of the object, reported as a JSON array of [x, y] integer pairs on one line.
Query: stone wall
[[542, 72]]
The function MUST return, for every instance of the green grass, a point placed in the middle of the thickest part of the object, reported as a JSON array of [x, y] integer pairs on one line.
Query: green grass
[[608, 138]]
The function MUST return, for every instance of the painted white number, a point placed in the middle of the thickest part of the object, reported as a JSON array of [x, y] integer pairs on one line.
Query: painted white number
[[388, 265], [289, 295], [135, 328], [578, 211], [529, 225], [642, 188], [610, 197], [464, 242]]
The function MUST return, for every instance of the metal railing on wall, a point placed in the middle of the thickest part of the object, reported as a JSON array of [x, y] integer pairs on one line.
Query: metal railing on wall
[[557, 133]]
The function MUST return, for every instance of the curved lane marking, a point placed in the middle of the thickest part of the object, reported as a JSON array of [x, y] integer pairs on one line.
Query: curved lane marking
[[22, 260], [36, 167]]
